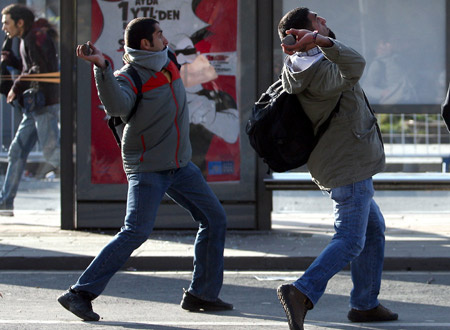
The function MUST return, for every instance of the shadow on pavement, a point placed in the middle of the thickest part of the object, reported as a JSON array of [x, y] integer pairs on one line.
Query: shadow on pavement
[[144, 296]]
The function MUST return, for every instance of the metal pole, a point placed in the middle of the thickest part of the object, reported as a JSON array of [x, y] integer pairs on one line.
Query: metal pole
[[264, 37], [68, 111]]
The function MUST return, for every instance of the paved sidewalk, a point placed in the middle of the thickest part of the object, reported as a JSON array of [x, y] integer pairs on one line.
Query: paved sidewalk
[[32, 240], [150, 300]]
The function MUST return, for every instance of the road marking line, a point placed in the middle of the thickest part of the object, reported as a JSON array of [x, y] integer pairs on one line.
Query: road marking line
[[243, 324], [381, 325]]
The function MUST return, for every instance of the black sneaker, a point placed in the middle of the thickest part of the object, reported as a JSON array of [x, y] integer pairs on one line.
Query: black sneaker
[[6, 210], [377, 314], [194, 304], [79, 303], [295, 305]]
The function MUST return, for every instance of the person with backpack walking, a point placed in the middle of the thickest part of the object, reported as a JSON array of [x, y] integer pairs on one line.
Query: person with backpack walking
[[156, 154], [321, 70], [38, 101]]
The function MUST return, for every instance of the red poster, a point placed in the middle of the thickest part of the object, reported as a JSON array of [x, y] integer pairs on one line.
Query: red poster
[[203, 34]]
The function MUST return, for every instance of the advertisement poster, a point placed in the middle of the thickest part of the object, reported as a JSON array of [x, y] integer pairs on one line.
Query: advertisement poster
[[203, 34]]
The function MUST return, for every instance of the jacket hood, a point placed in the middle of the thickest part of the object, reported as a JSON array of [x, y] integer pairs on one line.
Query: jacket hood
[[155, 61], [297, 82]]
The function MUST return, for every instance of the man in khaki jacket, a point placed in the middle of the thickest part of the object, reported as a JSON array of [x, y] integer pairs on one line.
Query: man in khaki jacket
[[321, 71]]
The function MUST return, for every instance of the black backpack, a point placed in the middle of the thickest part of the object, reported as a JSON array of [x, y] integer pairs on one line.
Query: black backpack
[[115, 123], [280, 131]]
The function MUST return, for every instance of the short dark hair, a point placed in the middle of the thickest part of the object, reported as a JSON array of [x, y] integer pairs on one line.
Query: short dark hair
[[138, 29], [17, 12], [295, 19]]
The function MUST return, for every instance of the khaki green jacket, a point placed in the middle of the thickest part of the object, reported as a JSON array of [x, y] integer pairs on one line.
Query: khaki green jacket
[[351, 149]]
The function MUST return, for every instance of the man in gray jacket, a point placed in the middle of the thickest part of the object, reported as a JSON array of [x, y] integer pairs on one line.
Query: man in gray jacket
[[156, 155], [321, 71]]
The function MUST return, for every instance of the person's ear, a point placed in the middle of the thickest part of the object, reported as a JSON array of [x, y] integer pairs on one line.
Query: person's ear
[[20, 23], [145, 44]]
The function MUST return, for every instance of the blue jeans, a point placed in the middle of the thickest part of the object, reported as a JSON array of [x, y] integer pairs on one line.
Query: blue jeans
[[359, 240], [42, 126], [187, 187]]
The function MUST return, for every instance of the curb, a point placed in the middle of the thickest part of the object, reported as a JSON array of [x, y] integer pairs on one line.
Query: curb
[[171, 263]]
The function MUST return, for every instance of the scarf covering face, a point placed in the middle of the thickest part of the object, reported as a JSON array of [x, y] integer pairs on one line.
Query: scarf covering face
[[155, 61]]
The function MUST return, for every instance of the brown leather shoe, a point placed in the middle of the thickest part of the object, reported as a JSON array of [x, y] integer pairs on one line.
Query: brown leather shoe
[[377, 314], [295, 305]]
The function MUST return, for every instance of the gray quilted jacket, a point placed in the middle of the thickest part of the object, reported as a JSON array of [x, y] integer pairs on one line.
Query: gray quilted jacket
[[157, 137]]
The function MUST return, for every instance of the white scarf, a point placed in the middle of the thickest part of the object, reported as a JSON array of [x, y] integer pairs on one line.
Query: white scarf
[[301, 61]]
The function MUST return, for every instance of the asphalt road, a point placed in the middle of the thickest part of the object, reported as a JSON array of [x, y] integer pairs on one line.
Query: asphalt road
[[150, 300]]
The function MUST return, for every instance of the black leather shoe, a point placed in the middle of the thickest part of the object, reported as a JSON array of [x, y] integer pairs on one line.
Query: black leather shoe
[[295, 305], [194, 304], [79, 303], [377, 314], [6, 210]]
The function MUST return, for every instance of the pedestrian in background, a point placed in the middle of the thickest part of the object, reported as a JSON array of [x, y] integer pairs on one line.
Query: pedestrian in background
[[322, 71], [156, 154], [37, 101]]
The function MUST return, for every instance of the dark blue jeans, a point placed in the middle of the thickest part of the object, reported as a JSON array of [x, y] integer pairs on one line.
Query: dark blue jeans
[[359, 240], [187, 187], [41, 126]]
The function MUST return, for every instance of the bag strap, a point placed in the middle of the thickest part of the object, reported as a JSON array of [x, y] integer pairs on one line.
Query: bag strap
[[325, 125], [368, 104], [113, 122], [173, 58], [380, 136], [138, 84]]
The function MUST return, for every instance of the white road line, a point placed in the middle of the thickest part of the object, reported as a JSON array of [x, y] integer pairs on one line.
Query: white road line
[[381, 325], [243, 324]]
